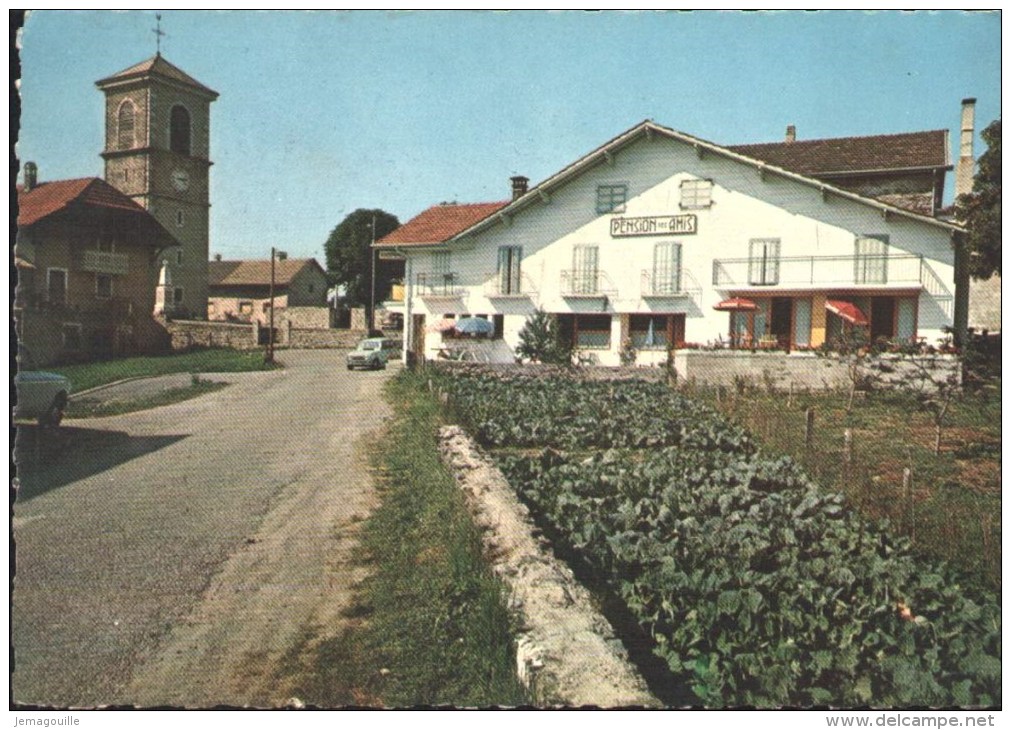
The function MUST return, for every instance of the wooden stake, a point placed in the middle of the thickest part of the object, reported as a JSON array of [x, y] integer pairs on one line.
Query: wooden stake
[[809, 428], [907, 487], [789, 398], [848, 447]]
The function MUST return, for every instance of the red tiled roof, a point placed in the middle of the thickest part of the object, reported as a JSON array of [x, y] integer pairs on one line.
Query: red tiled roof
[[156, 66], [815, 157], [440, 223], [255, 272], [51, 197]]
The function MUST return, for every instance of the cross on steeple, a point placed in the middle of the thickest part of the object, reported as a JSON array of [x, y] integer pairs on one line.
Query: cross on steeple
[[158, 33]]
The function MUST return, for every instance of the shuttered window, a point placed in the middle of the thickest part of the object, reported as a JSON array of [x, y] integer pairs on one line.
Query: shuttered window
[[667, 268], [763, 261], [870, 264], [584, 270], [509, 269]]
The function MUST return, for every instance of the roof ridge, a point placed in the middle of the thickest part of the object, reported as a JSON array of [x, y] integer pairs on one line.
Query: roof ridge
[[835, 139]]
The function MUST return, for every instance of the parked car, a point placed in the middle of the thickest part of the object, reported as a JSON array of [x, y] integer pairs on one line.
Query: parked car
[[372, 353], [40, 395]]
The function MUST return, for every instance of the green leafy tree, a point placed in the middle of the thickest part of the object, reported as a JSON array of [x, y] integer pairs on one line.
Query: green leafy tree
[[980, 209], [349, 255], [541, 340]]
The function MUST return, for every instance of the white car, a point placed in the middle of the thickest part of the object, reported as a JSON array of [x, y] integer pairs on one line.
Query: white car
[[372, 353], [40, 395]]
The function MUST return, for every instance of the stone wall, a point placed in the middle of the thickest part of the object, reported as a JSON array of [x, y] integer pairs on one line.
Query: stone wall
[[314, 338], [803, 370], [199, 333], [305, 317]]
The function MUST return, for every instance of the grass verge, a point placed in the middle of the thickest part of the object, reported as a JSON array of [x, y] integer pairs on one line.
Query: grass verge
[[214, 360], [430, 626], [955, 510], [92, 409]]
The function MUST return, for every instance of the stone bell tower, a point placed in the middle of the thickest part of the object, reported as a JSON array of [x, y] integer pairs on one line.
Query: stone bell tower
[[157, 151]]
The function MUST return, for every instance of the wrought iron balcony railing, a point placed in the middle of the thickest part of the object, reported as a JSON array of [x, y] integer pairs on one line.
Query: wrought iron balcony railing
[[585, 283], [103, 262], [438, 284], [503, 284], [880, 270]]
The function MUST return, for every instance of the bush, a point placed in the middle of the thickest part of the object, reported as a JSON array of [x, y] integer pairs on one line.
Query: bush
[[542, 341]]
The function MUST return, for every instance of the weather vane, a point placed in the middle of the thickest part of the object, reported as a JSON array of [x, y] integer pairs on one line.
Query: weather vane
[[158, 33]]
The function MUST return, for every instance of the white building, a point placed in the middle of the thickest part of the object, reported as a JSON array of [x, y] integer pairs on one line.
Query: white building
[[660, 238]]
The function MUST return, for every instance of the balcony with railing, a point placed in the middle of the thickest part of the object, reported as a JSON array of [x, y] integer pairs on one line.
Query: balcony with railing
[[661, 286], [104, 262], [826, 272], [585, 283], [443, 284], [501, 285]]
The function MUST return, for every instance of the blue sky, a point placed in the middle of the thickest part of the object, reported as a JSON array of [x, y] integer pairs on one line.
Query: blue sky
[[324, 112]]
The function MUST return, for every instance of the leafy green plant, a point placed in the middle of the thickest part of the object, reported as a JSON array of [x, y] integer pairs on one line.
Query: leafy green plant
[[757, 587]]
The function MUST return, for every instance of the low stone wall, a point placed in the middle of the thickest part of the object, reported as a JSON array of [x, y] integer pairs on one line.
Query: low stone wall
[[806, 370], [305, 317], [594, 372], [315, 338], [199, 333], [567, 653]]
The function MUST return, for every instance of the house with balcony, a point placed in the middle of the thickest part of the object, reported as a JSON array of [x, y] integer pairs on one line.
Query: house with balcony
[[662, 240], [87, 260]]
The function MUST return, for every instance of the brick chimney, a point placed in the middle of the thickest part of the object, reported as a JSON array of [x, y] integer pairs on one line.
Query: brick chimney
[[966, 167], [791, 134], [31, 176], [519, 186]]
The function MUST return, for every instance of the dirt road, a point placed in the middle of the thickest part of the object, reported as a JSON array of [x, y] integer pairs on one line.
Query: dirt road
[[176, 556]]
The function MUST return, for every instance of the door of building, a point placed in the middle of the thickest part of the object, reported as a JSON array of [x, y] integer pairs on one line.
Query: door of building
[[781, 321]]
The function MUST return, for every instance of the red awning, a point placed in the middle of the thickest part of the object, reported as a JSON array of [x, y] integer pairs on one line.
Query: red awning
[[737, 304], [848, 312]]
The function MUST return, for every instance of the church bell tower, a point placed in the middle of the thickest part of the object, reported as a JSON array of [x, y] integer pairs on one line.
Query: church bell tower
[[157, 151]]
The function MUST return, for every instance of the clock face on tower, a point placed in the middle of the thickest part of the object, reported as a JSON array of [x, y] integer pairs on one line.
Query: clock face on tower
[[180, 180]]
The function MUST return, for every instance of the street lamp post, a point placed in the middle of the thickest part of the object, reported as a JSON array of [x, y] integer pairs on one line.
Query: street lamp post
[[275, 256]]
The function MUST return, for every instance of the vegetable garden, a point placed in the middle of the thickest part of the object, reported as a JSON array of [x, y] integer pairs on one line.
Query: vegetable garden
[[757, 587]]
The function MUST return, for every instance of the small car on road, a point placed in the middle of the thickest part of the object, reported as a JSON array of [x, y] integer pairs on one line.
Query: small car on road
[[40, 395], [372, 353]]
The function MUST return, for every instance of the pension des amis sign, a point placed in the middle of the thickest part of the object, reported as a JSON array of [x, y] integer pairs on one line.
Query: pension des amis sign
[[654, 225]]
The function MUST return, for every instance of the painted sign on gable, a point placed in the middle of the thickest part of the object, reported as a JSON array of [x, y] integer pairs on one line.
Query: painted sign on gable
[[654, 225]]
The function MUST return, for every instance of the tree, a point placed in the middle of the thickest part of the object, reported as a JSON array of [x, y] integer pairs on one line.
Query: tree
[[542, 341], [980, 209], [349, 254]]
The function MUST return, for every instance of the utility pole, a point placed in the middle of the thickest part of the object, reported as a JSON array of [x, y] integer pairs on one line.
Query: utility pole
[[275, 255], [372, 254]]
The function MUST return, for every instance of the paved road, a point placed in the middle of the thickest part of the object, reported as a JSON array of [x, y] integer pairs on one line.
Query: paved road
[[180, 555]]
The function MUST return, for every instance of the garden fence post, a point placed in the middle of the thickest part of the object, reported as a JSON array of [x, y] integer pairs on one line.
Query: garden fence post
[[809, 428], [848, 447], [907, 487]]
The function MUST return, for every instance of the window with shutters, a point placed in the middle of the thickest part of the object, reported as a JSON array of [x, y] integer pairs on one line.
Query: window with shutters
[[667, 268], [584, 270], [763, 262], [509, 269], [870, 263]]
